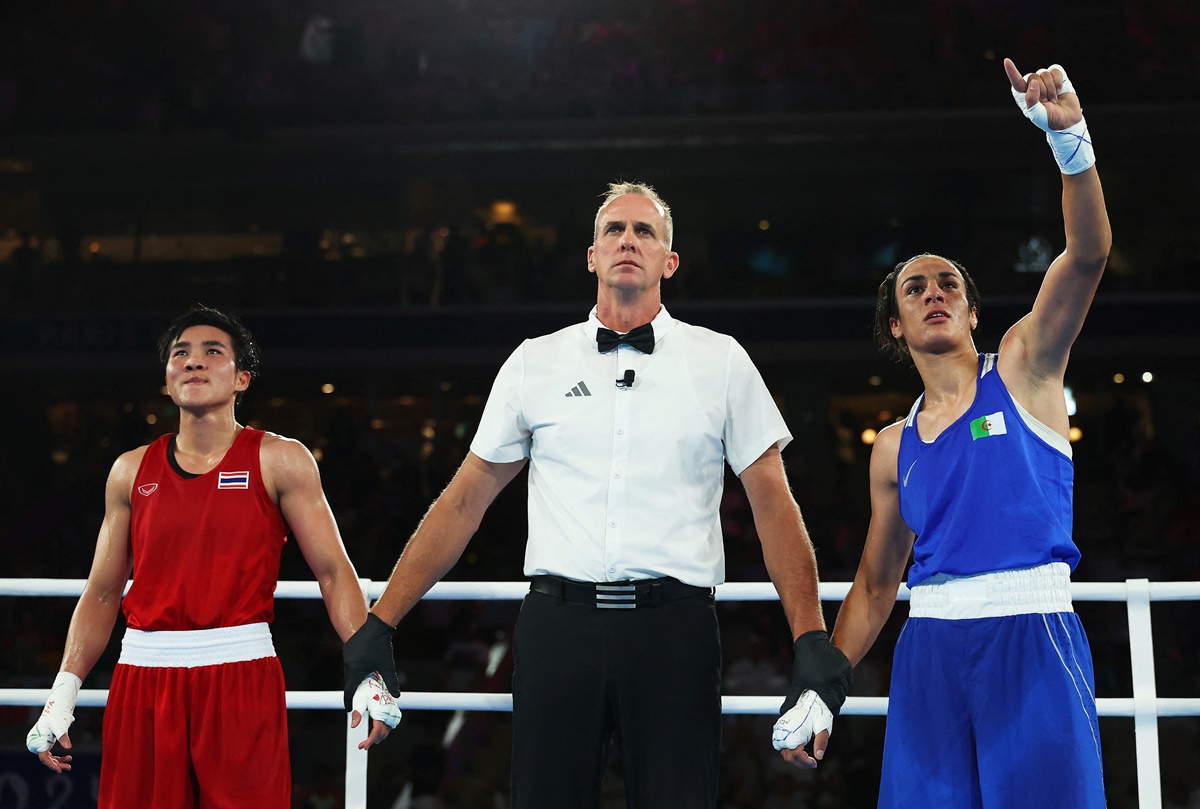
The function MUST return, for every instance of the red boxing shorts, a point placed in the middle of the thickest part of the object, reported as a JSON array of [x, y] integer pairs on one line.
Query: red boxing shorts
[[197, 719]]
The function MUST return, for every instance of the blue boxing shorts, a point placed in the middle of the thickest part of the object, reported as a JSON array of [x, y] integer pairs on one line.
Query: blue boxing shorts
[[992, 700]]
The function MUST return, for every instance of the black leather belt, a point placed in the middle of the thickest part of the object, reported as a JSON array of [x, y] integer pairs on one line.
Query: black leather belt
[[617, 595]]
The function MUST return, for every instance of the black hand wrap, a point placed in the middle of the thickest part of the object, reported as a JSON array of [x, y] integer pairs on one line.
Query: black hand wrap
[[369, 649], [821, 667]]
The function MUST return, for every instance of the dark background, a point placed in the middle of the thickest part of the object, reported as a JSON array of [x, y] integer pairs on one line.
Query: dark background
[[393, 195]]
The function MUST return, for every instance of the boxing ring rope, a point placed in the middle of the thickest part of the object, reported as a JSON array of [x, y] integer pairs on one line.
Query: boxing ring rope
[[1145, 706]]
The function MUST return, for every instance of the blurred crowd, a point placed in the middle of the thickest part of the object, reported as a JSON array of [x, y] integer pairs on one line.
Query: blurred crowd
[[249, 66], [478, 263]]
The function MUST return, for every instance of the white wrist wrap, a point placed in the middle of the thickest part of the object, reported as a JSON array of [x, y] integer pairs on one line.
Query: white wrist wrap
[[58, 714], [802, 723], [1072, 147], [372, 698]]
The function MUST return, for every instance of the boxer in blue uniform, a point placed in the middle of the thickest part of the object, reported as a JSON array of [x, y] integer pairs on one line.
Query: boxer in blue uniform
[[992, 701]]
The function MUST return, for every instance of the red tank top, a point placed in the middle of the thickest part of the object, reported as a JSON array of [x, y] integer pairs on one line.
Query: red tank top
[[205, 549]]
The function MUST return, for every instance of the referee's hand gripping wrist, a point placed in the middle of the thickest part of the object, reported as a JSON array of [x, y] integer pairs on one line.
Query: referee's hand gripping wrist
[[818, 686], [369, 650], [820, 667]]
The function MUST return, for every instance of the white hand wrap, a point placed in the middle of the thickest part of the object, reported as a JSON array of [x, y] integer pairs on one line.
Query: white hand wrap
[[58, 714], [796, 728], [372, 699], [1072, 146]]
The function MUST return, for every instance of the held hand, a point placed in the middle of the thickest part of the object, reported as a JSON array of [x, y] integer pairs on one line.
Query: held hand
[[809, 720], [821, 676], [821, 667], [371, 698], [369, 651], [1049, 87]]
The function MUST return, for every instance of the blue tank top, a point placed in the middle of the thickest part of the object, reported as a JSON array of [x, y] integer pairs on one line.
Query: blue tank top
[[992, 492]]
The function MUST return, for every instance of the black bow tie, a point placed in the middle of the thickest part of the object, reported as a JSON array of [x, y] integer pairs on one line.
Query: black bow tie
[[641, 338]]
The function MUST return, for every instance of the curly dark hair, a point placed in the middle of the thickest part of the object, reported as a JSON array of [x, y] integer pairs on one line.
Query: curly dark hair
[[245, 350], [886, 309]]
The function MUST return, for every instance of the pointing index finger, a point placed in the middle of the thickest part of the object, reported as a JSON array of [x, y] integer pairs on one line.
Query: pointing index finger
[[1015, 78]]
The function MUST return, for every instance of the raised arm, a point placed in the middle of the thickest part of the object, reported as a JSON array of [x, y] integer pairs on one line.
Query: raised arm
[[885, 555], [95, 614], [1037, 347]]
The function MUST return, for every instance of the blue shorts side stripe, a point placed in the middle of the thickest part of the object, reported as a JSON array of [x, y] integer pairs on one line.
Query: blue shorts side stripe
[[1088, 707]]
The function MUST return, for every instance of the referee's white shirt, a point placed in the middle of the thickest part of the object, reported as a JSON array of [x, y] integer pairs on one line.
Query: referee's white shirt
[[626, 482]]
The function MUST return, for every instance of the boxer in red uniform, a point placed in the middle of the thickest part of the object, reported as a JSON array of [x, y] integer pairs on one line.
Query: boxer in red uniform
[[196, 712]]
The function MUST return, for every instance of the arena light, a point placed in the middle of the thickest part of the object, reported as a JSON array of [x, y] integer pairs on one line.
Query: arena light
[[504, 211]]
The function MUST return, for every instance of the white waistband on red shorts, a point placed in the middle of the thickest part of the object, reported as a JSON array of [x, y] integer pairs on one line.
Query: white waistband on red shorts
[[1042, 589], [196, 647]]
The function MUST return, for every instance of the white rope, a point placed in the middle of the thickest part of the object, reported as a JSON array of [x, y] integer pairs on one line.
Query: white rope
[[1144, 706], [516, 590], [475, 701]]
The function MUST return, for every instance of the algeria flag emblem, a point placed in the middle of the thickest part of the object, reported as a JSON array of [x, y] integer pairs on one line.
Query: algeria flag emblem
[[985, 426]]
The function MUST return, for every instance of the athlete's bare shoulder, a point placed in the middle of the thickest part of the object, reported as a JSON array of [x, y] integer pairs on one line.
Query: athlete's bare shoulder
[[125, 469], [888, 439], [286, 465], [132, 457], [281, 449], [885, 452], [127, 463]]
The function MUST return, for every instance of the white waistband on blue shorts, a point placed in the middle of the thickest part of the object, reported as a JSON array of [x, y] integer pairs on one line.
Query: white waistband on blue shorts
[[1042, 589], [196, 647]]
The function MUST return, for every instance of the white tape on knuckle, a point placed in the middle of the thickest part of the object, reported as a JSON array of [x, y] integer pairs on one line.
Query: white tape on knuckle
[[1018, 97], [801, 723], [1067, 87], [38, 742], [373, 700], [1037, 113], [58, 715]]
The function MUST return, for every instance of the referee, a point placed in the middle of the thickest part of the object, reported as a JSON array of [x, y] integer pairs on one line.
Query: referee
[[626, 421]]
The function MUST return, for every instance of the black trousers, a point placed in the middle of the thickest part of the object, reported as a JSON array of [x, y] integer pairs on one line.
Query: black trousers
[[648, 678]]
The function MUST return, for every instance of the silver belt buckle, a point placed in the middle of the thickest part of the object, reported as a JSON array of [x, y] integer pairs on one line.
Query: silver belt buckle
[[616, 596]]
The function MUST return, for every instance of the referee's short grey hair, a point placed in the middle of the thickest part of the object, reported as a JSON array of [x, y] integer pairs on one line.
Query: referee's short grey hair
[[621, 189]]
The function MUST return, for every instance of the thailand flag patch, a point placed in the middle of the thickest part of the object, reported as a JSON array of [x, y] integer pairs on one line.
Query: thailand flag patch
[[233, 480]]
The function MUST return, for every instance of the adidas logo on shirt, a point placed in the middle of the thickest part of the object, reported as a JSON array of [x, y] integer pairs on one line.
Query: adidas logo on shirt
[[579, 390]]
